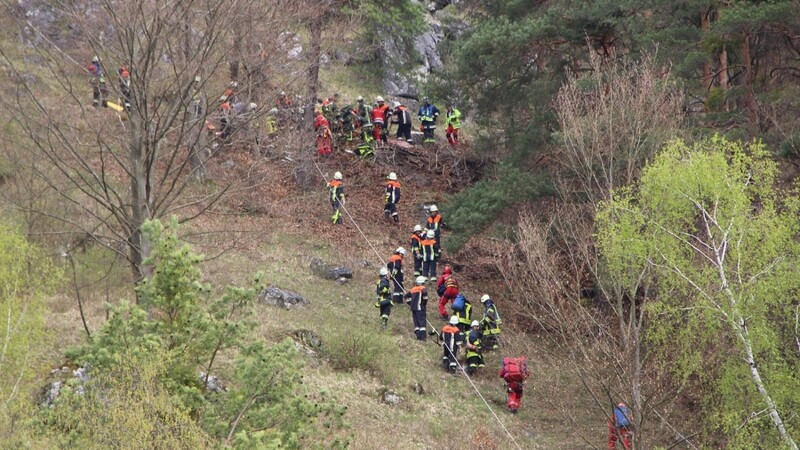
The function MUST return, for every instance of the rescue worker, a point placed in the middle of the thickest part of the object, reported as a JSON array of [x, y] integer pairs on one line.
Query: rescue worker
[[196, 108], [448, 286], [416, 248], [453, 119], [402, 117], [514, 373], [451, 338], [364, 128], [348, 120], [322, 126], [336, 190], [98, 81], [465, 316], [229, 94], [384, 303], [430, 253], [380, 118], [395, 266], [283, 101], [620, 427], [125, 86], [474, 347], [417, 299], [490, 324], [435, 223], [392, 198], [427, 116], [225, 120]]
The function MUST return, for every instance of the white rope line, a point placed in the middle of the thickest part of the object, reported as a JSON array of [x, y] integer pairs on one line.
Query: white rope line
[[380, 258]]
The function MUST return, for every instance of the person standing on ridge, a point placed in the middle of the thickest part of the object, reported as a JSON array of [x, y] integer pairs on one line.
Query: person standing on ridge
[[435, 223], [474, 347], [98, 81], [402, 117], [336, 189], [323, 128], [384, 303], [417, 299], [427, 116], [380, 119], [453, 118], [430, 253], [395, 267], [392, 198], [416, 248], [490, 324], [125, 86], [447, 289]]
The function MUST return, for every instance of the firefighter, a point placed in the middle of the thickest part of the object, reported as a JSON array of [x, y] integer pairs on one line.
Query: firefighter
[[453, 119], [392, 198], [620, 427], [364, 128], [416, 248], [464, 315], [514, 373], [427, 116], [229, 94], [323, 128], [336, 189], [451, 338], [98, 81], [430, 253], [435, 222], [417, 299], [402, 117], [125, 86], [447, 288], [395, 267], [384, 302], [474, 348], [490, 324], [380, 118]]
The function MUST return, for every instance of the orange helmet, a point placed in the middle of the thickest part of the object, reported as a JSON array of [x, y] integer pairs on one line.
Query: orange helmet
[[448, 270]]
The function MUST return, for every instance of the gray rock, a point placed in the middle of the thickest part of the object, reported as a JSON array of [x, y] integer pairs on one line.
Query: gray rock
[[321, 269], [51, 392], [419, 389], [281, 298], [308, 340], [391, 398], [214, 383], [426, 61], [228, 164], [342, 280]]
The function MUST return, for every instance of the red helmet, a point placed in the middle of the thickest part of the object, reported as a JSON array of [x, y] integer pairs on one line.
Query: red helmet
[[448, 270]]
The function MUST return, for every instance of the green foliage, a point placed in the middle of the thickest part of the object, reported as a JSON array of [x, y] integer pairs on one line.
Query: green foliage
[[402, 21], [721, 242], [178, 320], [27, 276], [471, 210], [362, 347]]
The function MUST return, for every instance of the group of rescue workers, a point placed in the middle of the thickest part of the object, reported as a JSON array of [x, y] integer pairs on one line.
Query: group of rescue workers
[[364, 126]]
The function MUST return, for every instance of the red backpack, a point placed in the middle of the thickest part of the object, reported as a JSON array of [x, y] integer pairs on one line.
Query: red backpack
[[515, 369]]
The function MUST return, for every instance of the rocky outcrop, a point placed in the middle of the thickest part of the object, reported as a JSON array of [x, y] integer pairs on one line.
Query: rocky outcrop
[[324, 270], [281, 298]]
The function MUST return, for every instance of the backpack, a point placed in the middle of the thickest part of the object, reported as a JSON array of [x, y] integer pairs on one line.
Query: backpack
[[458, 303], [515, 369], [622, 416], [440, 290]]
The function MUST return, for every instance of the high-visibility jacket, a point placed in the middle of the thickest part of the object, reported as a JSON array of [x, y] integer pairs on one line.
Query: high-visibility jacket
[[337, 191], [417, 298], [465, 315], [363, 112], [428, 113], [453, 117], [491, 318], [395, 267], [474, 343], [430, 249], [97, 72], [384, 291], [380, 114], [392, 192], [321, 122], [451, 338], [415, 245], [434, 223]]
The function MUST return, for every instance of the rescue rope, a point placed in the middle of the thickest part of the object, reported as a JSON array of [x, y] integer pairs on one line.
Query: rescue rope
[[383, 262]]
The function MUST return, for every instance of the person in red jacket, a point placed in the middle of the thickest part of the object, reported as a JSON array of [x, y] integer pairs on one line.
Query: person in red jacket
[[448, 286], [619, 427], [380, 119], [323, 128]]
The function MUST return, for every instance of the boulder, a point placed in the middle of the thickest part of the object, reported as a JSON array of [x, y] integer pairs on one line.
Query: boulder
[[323, 270], [391, 398], [282, 298], [214, 383]]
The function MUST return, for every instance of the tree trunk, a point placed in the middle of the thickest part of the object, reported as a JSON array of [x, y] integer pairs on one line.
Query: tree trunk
[[749, 99], [723, 76], [137, 242], [705, 25]]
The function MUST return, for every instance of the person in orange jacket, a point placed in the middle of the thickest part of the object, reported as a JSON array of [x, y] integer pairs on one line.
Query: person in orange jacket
[[323, 128], [448, 286], [417, 299], [380, 120], [435, 223], [392, 198], [416, 248], [395, 266]]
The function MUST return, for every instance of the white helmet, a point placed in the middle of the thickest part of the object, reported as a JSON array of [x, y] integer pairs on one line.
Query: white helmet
[[234, 84], [396, 105], [95, 58], [379, 99], [485, 298], [421, 280], [417, 228], [475, 323], [384, 271], [197, 78], [272, 111], [392, 176], [283, 93], [359, 99], [453, 320], [252, 106], [434, 208], [431, 234], [401, 250], [337, 176]]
